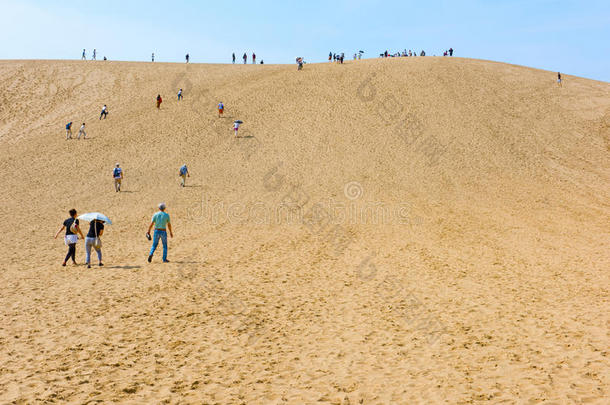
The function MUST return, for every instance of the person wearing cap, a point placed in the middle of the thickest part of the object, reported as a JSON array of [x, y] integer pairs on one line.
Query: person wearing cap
[[184, 172], [117, 174], [161, 223]]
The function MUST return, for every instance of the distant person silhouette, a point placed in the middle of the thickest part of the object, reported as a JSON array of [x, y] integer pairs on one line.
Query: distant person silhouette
[[245, 58], [187, 58], [221, 109], [450, 51], [117, 174], [69, 130], [253, 58], [82, 132], [233, 57], [179, 94], [84, 57], [152, 57], [104, 112], [159, 101], [559, 82], [94, 55]]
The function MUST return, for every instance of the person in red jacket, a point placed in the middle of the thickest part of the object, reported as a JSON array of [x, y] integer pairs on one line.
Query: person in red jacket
[[159, 101]]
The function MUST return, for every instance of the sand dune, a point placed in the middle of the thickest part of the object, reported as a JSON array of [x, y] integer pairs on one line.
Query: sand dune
[[414, 230]]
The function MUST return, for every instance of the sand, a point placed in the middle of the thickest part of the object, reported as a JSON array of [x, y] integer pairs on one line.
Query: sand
[[401, 231]]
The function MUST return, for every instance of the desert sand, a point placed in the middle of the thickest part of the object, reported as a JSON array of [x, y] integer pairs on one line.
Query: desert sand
[[398, 231]]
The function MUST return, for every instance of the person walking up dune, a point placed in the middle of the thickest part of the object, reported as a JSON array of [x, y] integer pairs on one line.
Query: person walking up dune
[[184, 173], [93, 240], [84, 57], [233, 57], [69, 130], [236, 125], [559, 83], [159, 101], [94, 55], [179, 94], [104, 112], [117, 174], [221, 109], [71, 225], [82, 132], [161, 222]]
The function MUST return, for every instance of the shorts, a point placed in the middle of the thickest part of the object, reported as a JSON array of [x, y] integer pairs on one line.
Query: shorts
[[220, 110], [70, 239]]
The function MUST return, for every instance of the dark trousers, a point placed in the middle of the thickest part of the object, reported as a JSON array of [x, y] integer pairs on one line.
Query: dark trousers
[[103, 114], [71, 252]]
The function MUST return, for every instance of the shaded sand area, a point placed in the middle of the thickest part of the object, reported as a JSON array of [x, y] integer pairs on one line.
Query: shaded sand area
[[399, 231]]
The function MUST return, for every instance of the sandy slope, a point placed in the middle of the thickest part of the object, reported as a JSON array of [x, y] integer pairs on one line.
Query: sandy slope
[[421, 230]]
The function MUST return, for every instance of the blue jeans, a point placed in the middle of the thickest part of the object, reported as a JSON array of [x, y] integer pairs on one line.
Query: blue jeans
[[163, 235]]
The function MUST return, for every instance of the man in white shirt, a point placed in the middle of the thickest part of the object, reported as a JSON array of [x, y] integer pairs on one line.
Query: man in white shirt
[[104, 112], [82, 132]]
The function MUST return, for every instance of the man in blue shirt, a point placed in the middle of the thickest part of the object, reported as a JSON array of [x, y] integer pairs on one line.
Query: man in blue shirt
[[184, 172], [161, 223]]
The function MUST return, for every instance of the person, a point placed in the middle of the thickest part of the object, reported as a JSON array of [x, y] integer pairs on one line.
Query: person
[[236, 127], [96, 229], [71, 238], [179, 94], [187, 58], [105, 58], [184, 172], [330, 56], [221, 109], [104, 112], [450, 51], [94, 54], [559, 79], [82, 132], [159, 101], [117, 174], [233, 57], [69, 130], [161, 222], [153, 57], [245, 57], [342, 56], [84, 57], [253, 58], [299, 63], [262, 62]]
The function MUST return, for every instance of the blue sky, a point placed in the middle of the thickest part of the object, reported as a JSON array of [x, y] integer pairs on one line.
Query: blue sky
[[568, 36]]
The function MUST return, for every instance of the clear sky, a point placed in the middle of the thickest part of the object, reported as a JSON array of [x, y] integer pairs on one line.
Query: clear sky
[[568, 36]]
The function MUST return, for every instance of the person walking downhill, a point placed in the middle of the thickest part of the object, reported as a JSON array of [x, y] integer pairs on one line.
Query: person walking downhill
[[117, 175], [104, 112], [93, 240], [183, 173], [221, 109], [161, 222], [159, 101], [179, 94], [82, 132], [71, 225], [69, 130]]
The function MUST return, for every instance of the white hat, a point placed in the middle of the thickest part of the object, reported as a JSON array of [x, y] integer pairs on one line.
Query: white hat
[[162, 206], [117, 165]]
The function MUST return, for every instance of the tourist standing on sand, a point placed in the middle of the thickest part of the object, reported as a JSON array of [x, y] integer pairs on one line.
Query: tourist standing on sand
[[236, 125], [96, 229], [559, 83], [184, 172], [117, 174], [153, 57], [253, 58], [71, 225], [94, 54], [187, 58], [179, 94], [82, 132], [161, 222], [450, 51], [84, 57], [221, 109], [233, 57], [245, 58], [69, 130], [104, 112], [330, 56], [159, 101]]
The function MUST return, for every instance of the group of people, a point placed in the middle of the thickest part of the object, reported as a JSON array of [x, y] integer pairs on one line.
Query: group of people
[[245, 58], [93, 57], [448, 52], [81, 131], [160, 222], [404, 54], [336, 57]]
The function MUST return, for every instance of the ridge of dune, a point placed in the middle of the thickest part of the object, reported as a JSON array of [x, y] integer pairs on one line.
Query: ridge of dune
[[409, 230]]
